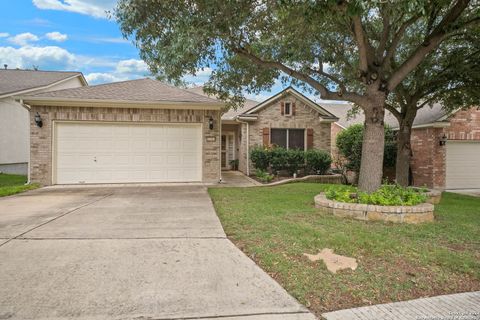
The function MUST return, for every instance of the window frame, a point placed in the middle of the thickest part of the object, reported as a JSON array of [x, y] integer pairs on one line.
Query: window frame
[[287, 137], [290, 109]]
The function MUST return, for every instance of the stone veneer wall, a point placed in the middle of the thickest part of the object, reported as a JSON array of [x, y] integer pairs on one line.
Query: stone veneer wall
[[41, 138], [271, 117], [398, 214]]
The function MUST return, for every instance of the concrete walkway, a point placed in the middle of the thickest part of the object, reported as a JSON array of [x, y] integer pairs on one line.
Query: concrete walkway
[[128, 253], [237, 179], [462, 306]]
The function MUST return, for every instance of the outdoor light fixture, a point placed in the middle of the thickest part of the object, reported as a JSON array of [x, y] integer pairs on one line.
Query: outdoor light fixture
[[443, 140], [38, 120], [210, 123]]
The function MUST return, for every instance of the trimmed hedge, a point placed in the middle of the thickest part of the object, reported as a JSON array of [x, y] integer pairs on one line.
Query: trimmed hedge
[[278, 159]]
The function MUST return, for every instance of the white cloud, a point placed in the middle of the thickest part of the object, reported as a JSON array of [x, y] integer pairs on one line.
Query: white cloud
[[23, 39], [56, 36], [107, 40], [99, 77], [95, 8], [50, 57], [132, 66], [4, 34]]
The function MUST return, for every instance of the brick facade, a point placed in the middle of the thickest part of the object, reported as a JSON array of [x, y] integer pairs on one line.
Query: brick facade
[[41, 138], [429, 158], [271, 117]]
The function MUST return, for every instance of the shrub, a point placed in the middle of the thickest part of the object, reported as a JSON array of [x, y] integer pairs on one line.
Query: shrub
[[295, 160], [318, 161], [278, 159], [260, 158], [263, 176], [349, 144], [386, 195]]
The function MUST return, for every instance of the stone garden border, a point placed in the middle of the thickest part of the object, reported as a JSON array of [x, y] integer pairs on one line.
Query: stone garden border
[[368, 212]]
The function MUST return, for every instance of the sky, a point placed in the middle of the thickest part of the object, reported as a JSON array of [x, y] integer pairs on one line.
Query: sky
[[75, 35]]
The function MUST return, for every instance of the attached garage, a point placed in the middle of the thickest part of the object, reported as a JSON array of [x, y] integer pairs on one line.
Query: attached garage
[[463, 165], [126, 152], [125, 132]]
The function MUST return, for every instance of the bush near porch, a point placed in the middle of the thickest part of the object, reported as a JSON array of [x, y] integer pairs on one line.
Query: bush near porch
[[279, 159], [276, 225]]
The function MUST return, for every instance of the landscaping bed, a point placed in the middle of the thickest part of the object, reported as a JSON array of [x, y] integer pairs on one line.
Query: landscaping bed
[[275, 226], [12, 184]]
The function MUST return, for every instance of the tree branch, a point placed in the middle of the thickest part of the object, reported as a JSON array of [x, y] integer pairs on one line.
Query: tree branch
[[324, 92], [385, 33], [397, 37], [329, 76], [430, 43], [393, 111], [362, 43]]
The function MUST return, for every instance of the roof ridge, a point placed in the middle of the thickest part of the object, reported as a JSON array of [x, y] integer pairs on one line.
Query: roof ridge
[[52, 71]]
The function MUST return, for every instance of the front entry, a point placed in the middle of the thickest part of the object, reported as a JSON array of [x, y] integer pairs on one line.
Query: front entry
[[228, 150]]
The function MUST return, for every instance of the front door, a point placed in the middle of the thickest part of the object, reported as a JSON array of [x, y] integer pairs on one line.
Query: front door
[[228, 150]]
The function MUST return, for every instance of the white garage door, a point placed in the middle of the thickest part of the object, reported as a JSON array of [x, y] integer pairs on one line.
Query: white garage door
[[122, 153], [463, 165]]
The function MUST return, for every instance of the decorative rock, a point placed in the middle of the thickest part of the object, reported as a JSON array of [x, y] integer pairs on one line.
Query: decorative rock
[[398, 214], [334, 262]]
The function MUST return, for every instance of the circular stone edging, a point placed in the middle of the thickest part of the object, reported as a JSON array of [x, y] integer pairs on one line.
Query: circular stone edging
[[368, 212]]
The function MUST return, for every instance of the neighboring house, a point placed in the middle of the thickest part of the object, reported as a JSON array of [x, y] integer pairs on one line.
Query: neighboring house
[[131, 131], [287, 119], [445, 146], [146, 131], [14, 119]]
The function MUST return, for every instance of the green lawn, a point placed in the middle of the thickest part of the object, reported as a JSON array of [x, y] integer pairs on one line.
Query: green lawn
[[276, 225], [12, 183]]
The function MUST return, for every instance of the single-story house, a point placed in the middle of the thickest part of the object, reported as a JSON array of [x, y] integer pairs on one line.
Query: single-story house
[[146, 131], [14, 118], [445, 145], [288, 119]]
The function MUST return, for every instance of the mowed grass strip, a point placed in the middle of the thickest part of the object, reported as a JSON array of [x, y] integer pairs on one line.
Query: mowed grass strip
[[276, 225], [12, 184]]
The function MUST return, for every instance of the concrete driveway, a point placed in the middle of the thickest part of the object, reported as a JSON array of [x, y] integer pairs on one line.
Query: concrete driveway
[[128, 253]]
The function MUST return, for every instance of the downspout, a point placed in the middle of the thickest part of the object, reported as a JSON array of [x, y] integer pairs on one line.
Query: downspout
[[29, 108], [248, 143]]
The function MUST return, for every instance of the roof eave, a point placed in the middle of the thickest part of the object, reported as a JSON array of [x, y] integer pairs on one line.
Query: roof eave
[[37, 101]]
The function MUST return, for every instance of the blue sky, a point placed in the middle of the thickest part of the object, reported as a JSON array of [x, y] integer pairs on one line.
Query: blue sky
[[74, 35]]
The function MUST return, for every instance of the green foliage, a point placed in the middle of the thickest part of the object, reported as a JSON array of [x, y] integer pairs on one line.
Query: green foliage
[[386, 195], [12, 184], [278, 159], [260, 158], [295, 160], [263, 176], [349, 143], [317, 161]]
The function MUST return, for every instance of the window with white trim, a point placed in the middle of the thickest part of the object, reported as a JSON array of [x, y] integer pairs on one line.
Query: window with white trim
[[288, 138]]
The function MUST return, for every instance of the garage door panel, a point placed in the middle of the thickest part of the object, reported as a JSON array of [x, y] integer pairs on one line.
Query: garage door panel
[[127, 153], [463, 165]]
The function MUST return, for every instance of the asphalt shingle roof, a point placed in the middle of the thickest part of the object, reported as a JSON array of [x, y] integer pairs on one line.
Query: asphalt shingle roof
[[14, 80], [425, 115], [231, 113], [141, 90]]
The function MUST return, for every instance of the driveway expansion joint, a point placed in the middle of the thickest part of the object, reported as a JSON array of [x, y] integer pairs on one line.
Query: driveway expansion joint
[[120, 238], [231, 315], [55, 218]]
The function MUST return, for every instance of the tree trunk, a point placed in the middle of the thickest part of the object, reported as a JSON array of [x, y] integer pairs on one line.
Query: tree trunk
[[404, 148], [371, 167]]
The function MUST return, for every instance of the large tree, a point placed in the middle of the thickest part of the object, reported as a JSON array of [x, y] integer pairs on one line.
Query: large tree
[[450, 77], [344, 50]]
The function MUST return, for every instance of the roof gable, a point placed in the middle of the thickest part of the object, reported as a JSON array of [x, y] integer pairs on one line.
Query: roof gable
[[325, 114]]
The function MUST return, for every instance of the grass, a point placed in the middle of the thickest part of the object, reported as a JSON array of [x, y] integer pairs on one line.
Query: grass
[[276, 225], [12, 184]]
